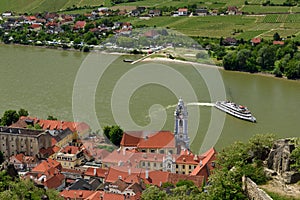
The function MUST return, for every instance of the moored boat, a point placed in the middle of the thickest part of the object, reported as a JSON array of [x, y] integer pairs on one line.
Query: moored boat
[[235, 110], [128, 60]]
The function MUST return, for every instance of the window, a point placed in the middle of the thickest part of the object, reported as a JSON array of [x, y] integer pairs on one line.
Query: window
[[143, 164], [143, 150], [170, 151], [154, 164], [190, 166], [161, 151], [152, 150], [183, 166], [176, 166], [148, 164]]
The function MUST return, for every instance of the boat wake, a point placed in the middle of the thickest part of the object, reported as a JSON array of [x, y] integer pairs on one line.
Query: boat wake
[[200, 104]]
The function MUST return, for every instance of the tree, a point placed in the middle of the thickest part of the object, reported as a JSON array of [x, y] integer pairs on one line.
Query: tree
[[292, 70], [50, 117], [229, 61], [1, 157], [9, 117], [276, 37], [153, 193], [23, 112], [295, 157], [114, 134]]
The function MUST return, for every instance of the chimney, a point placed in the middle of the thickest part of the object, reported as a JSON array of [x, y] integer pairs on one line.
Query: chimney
[[129, 171], [147, 174], [200, 163], [95, 171], [120, 177]]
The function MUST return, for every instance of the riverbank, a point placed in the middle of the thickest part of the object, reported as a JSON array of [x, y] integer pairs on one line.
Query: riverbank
[[168, 60]]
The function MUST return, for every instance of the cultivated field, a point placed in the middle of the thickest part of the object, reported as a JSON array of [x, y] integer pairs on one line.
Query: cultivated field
[[245, 27]]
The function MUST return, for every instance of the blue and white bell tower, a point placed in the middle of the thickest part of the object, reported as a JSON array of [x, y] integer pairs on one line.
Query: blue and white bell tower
[[181, 126]]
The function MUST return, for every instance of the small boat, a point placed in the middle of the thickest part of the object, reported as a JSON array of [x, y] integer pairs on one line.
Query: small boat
[[128, 60], [235, 110]]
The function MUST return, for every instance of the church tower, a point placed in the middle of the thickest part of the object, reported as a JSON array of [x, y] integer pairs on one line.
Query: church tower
[[181, 126]]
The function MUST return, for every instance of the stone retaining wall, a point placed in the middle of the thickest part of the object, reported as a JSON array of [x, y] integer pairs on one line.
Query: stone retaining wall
[[252, 190]]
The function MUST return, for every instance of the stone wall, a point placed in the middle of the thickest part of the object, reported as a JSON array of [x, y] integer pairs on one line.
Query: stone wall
[[252, 190]]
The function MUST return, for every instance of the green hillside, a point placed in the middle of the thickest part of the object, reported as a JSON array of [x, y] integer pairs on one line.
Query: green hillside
[[22, 6]]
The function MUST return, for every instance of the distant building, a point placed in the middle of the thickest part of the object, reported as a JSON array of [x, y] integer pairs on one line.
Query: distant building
[[17, 140], [162, 142], [201, 11], [70, 157], [182, 11], [154, 13], [255, 41]]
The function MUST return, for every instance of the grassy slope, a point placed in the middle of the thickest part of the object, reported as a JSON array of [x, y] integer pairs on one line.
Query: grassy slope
[[43, 5], [215, 26]]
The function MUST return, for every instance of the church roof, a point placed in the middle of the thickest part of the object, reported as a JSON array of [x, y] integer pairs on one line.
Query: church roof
[[142, 139]]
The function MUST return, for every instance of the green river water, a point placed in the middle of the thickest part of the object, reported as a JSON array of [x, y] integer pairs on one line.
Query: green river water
[[41, 81]]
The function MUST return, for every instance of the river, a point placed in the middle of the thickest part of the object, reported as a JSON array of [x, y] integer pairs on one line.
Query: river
[[42, 81]]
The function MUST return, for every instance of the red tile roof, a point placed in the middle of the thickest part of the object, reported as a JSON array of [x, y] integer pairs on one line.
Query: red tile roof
[[52, 124], [142, 139], [187, 157], [205, 165], [47, 167], [197, 180], [98, 172], [70, 150], [135, 175], [35, 26], [49, 151], [278, 42], [79, 24], [256, 40], [76, 194], [182, 10], [55, 181]]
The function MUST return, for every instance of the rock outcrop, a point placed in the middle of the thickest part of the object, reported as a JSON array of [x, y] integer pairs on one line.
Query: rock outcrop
[[279, 160]]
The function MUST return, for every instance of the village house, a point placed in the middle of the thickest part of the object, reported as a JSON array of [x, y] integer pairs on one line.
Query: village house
[[232, 10], [81, 128], [255, 41], [154, 13], [47, 174], [162, 142], [70, 157], [22, 162], [18, 140], [182, 12], [201, 11]]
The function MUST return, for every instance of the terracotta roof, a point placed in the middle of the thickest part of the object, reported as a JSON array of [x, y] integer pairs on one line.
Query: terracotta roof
[[19, 157], [52, 124], [79, 24], [132, 158], [143, 139], [174, 178], [35, 26], [187, 157], [47, 167], [76, 194], [70, 150], [256, 40], [55, 181], [98, 172], [205, 164], [161, 139], [120, 184], [182, 10], [135, 175], [278, 42], [50, 150], [31, 18]]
